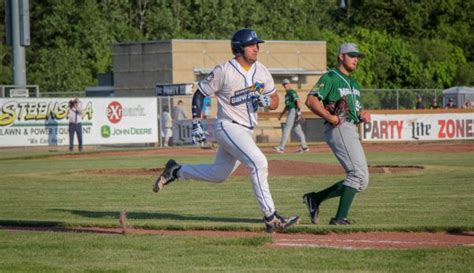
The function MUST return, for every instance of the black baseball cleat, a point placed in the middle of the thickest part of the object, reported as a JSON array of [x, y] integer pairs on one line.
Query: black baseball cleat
[[302, 150], [167, 176], [313, 207], [279, 223], [340, 222]]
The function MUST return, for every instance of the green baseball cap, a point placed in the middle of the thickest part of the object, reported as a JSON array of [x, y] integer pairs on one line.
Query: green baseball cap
[[351, 50]]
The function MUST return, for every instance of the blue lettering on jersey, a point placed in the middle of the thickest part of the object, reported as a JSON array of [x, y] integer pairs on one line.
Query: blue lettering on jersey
[[247, 94]]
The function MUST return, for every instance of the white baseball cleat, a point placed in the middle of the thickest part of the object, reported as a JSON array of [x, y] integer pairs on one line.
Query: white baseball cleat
[[167, 176]]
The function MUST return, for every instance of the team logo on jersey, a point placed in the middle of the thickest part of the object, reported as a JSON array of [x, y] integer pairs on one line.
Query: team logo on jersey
[[348, 91], [247, 94], [210, 77]]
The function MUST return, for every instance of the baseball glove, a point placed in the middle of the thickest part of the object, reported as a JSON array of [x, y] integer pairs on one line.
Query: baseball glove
[[340, 109]]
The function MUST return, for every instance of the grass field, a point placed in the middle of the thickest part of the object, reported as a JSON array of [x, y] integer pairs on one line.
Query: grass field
[[39, 190]]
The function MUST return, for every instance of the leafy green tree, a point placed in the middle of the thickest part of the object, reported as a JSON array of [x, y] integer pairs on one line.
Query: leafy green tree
[[465, 76], [450, 20], [422, 44], [441, 61], [118, 20], [61, 68], [162, 25], [5, 68], [5, 55]]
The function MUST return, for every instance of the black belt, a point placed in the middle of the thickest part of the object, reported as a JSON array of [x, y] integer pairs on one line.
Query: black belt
[[248, 127]]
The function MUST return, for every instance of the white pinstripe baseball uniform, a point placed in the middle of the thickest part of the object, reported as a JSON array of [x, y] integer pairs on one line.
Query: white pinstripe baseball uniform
[[236, 117]]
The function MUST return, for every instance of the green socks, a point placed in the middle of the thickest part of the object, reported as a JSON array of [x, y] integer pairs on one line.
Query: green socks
[[333, 191], [346, 193], [345, 202]]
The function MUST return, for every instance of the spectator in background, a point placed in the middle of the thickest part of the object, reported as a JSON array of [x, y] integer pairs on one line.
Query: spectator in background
[[467, 104], [419, 102], [166, 126], [179, 112], [74, 113], [450, 103], [434, 104]]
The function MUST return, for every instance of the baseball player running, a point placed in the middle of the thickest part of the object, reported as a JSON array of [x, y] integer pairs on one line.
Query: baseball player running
[[241, 86], [293, 107], [336, 99]]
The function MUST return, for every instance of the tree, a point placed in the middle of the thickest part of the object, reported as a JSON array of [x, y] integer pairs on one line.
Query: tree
[[449, 20], [5, 55], [61, 68], [422, 44]]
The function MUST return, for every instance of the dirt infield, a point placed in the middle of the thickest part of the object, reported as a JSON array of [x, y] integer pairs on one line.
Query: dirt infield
[[369, 240], [276, 168]]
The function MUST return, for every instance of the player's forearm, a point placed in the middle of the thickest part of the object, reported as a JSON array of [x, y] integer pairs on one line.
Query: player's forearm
[[317, 108]]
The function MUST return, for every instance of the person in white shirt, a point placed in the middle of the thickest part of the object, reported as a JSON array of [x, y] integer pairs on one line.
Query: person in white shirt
[[75, 123], [241, 86], [179, 112], [166, 126]]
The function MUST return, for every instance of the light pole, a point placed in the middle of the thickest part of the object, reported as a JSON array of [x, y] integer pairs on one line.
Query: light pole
[[17, 24]]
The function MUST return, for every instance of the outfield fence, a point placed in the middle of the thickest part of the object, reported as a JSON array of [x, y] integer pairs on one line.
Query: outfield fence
[[399, 98], [377, 98]]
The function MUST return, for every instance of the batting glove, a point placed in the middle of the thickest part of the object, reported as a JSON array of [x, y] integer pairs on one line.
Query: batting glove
[[198, 134], [264, 100]]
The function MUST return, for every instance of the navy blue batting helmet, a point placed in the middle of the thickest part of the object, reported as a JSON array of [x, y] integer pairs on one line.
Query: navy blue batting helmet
[[243, 38]]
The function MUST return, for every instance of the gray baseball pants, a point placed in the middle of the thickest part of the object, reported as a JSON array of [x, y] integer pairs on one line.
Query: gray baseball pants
[[346, 146], [290, 122]]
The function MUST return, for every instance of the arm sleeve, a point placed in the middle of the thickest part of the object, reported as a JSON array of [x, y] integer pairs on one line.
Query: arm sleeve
[[213, 82], [198, 103]]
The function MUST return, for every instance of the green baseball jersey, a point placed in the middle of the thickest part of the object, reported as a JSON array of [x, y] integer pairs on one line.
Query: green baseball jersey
[[290, 99], [334, 85]]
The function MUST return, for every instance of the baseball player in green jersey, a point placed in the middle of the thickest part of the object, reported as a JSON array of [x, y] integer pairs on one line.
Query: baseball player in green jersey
[[292, 106], [336, 99]]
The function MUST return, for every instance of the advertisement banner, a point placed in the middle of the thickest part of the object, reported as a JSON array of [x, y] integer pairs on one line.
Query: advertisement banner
[[415, 127], [44, 121]]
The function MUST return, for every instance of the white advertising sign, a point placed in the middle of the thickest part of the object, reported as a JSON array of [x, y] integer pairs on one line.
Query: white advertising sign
[[414, 127], [44, 121]]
